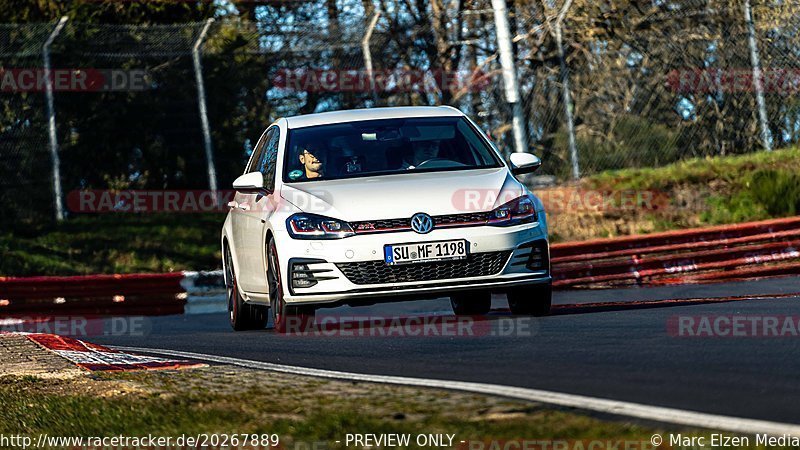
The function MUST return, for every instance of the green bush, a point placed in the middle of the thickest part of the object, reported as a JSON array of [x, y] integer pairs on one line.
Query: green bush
[[777, 191], [740, 207], [765, 193]]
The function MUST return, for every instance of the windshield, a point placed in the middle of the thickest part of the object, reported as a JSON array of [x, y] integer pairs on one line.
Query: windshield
[[382, 147]]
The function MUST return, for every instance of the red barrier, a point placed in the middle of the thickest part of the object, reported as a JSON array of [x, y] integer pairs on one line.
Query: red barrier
[[89, 285], [765, 237], [145, 305], [704, 254], [159, 293], [752, 273], [715, 233], [645, 275], [674, 262]]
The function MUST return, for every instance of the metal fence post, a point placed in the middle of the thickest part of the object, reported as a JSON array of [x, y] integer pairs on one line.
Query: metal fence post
[[201, 101], [51, 120], [510, 75], [368, 54], [755, 60], [565, 93]]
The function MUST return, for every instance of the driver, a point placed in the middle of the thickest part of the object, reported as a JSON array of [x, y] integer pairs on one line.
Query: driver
[[312, 162], [422, 151]]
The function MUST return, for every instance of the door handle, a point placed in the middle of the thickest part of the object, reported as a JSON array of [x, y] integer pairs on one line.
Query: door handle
[[244, 206]]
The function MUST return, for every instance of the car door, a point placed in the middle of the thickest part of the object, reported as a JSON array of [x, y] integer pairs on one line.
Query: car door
[[241, 223], [261, 207]]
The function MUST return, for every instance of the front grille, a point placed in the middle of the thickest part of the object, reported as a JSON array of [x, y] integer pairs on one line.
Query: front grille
[[367, 226], [378, 272], [451, 219], [379, 225]]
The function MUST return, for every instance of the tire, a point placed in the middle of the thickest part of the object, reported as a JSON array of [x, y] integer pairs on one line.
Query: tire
[[259, 316], [472, 303], [285, 318], [241, 315], [533, 300]]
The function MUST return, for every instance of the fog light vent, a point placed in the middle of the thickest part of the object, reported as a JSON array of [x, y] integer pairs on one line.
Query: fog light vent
[[539, 258], [304, 277], [301, 277]]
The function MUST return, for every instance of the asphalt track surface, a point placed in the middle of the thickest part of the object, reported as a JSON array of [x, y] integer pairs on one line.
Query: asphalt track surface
[[607, 344]]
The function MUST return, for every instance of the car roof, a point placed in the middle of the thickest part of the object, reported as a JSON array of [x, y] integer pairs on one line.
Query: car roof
[[355, 115]]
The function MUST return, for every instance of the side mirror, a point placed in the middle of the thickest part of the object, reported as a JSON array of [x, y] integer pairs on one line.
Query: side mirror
[[250, 183], [524, 163]]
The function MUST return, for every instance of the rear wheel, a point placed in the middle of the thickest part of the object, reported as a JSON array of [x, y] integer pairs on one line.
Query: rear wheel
[[241, 315], [533, 300], [472, 303], [286, 318]]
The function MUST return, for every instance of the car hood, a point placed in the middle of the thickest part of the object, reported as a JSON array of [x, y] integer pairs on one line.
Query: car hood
[[403, 195]]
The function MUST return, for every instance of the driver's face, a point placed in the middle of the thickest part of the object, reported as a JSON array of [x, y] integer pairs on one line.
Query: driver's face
[[311, 164], [426, 150]]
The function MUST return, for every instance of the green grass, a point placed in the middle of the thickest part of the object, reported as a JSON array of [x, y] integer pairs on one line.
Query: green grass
[[735, 188], [721, 169], [113, 243], [298, 409], [714, 191], [187, 402]]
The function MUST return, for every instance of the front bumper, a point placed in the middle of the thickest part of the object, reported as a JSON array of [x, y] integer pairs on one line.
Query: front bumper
[[325, 258]]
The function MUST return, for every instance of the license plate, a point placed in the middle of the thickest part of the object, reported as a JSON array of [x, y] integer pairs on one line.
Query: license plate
[[425, 252]]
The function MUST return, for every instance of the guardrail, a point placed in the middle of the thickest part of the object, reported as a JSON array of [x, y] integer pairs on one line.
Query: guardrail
[[749, 250], [92, 285], [731, 252], [154, 294], [140, 294]]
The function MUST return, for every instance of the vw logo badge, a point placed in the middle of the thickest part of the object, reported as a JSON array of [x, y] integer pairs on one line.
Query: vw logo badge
[[421, 223]]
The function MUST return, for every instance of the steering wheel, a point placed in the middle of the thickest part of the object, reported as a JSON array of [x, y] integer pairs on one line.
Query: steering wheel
[[439, 163], [432, 160]]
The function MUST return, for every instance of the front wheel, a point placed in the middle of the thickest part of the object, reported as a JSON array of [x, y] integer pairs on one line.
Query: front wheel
[[241, 315], [533, 300], [286, 318]]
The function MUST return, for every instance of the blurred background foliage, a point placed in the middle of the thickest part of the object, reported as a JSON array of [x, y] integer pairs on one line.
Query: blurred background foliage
[[633, 67]]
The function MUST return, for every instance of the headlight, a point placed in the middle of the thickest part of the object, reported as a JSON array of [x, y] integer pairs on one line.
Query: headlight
[[517, 211], [312, 226]]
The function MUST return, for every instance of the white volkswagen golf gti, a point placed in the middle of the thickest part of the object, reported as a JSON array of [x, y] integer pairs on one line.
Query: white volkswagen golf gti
[[387, 204]]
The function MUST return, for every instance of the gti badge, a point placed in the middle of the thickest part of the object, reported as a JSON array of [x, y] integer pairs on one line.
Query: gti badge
[[421, 223]]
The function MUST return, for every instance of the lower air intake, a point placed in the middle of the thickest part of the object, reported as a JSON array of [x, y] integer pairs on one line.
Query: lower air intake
[[378, 272]]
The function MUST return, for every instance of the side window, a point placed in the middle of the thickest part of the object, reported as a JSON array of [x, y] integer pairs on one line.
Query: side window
[[270, 160], [258, 152]]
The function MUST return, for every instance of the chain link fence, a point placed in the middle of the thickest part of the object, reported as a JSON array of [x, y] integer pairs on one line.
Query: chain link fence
[[625, 86], [25, 163]]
